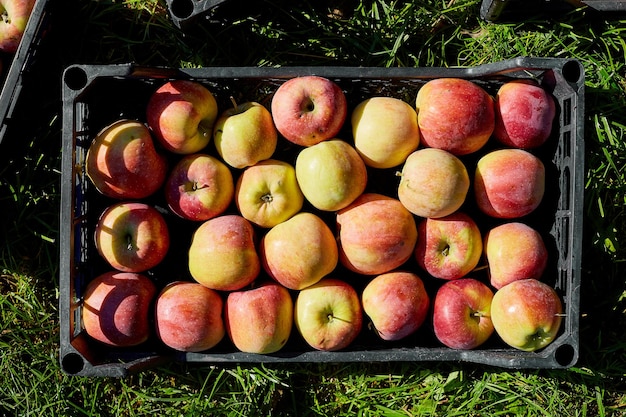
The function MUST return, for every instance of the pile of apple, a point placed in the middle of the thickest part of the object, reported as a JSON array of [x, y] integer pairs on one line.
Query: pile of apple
[[278, 245]]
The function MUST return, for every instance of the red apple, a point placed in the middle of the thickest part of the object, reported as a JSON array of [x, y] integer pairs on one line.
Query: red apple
[[524, 114], [182, 113], [15, 15], [122, 161], [509, 183], [259, 320], [397, 303], [376, 234], [448, 247], [132, 236], [514, 251], [116, 308], [309, 109], [462, 313], [454, 114], [222, 254], [300, 251], [328, 314], [188, 316], [527, 314], [199, 187]]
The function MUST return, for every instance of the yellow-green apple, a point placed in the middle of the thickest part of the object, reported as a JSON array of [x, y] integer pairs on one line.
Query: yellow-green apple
[[245, 134], [300, 251], [433, 183], [448, 247], [222, 254], [182, 113], [309, 109], [188, 316], [199, 187], [509, 183], [15, 15], [462, 313], [260, 319], [116, 308], [524, 114], [385, 131], [132, 236], [122, 161], [527, 314], [376, 234], [397, 304], [328, 314], [514, 251], [454, 114], [267, 193], [331, 174]]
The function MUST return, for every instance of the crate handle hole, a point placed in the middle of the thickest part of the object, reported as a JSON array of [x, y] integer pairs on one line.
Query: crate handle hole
[[181, 8], [72, 363], [572, 71], [75, 78], [565, 355]]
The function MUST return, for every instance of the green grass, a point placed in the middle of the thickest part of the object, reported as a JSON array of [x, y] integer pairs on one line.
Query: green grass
[[340, 32]]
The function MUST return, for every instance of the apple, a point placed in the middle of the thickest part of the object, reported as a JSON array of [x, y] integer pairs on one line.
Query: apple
[[385, 131], [222, 253], [524, 114], [309, 109], [397, 304], [199, 187], [245, 134], [268, 193], [376, 234], [300, 251], [260, 319], [509, 183], [182, 113], [448, 247], [328, 314], [462, 313], [15, 15], [132, 236], [116, 308], [433, 183], [454, 114], [514, 251], [331, 174], [527, 314], [123, 163], [188, 316]]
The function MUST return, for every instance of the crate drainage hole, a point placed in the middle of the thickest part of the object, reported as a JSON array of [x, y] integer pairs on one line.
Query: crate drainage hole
[[181, 8], [572, 71], [75, 78], [72, 363], [565, 355]]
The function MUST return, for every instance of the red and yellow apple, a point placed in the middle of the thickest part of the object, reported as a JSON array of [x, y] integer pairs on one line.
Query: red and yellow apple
[[116, 308], [376, 234], [509, 183], [222, 254], [182, 113], [132, 236], [15, 15], [268, 193], [199, 187], [122, 161], [309, 109], [300, 251], [260, 319], [433, 183], [454, 114], [188, 316], [385, 131], [397, 304], [331, 174]]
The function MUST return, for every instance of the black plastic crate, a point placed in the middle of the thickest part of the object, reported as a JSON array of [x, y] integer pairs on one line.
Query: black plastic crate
[[184, 12], [94, 96], [516, 10], [16, 66]]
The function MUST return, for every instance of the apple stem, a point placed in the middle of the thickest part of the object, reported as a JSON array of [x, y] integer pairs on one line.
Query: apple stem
[[232, 100]]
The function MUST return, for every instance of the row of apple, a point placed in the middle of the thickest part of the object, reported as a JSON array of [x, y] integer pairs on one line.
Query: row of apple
[[376, 234]]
